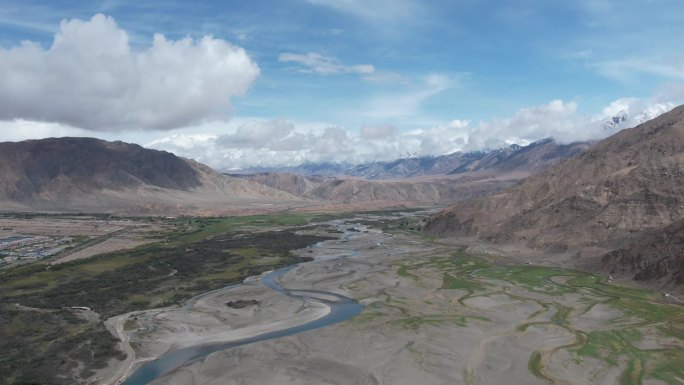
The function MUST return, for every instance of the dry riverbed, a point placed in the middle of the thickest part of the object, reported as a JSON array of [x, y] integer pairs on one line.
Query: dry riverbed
[[433, 314]]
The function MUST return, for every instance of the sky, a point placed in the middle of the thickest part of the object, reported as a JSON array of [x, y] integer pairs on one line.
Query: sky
[[238, 84]]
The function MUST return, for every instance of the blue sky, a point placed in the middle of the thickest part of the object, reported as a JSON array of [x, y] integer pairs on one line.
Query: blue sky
[[383, 78]]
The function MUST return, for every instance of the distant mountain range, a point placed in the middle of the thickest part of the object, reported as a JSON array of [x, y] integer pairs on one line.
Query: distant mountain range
[[85, 174], [422, 180], [531, 158], [92, 175], [305, 169], [622, 193]]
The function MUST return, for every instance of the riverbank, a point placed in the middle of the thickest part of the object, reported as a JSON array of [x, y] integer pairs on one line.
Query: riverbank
[[211, 320], [436, 315], [235, 313]]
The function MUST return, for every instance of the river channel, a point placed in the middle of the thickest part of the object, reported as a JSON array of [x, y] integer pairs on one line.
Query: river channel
[[341, 309]]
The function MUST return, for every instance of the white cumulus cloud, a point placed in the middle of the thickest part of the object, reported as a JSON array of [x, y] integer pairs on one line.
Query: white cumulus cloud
[[91, 78], [284, 143], [258, 135], [384, 132]]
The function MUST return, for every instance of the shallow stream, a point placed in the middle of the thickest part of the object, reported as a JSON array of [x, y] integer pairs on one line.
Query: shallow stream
[[341, 309]]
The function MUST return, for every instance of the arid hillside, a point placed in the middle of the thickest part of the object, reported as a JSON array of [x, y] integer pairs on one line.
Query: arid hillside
[[657, 256], [604, 199], [85, 174], [404, 191]]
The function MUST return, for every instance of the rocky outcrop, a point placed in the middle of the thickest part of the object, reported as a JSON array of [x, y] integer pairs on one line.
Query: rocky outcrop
[[658, 257]]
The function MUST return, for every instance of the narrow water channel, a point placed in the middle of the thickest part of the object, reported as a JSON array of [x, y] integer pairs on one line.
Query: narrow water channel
[[341, 309]]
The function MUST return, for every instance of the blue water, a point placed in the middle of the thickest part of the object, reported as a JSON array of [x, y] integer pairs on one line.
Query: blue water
[[342, 309]]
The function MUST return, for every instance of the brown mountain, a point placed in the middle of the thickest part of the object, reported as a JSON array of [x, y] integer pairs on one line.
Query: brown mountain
[[86, 174], [425, 180], [405, 191], [81, 165], [624, 185], [657, 256]]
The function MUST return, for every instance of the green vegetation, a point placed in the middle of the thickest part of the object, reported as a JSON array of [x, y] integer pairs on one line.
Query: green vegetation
[[617, 346], [403, 271], [50, 345], [39, 345], [394, 220], [667, 366], [638, 312], [451, 282], [534, 365], [415, 322]]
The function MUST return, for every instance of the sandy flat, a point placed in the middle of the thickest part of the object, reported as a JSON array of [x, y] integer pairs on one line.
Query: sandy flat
[[411, 331]]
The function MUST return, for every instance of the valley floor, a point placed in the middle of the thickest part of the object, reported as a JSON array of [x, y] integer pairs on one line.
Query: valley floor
[[434, 314]]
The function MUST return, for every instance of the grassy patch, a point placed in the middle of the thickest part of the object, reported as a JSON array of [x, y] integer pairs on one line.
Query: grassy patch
[[368, 314], [609, 345], [405, 271], [668, 367], [673, 328], [451, 282], [648, 311], [459, 262], [532, 278], [617, 346], [413, 323], [534, 365], [599, 287], [129, 325]]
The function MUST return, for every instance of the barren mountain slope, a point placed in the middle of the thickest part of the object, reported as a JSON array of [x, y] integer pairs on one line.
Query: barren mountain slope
[[658, 256], [41, 168], [85, 174], [428, 190], [623, 185]]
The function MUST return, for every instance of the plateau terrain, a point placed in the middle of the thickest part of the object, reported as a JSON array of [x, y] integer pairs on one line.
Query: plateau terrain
[[341, 192]]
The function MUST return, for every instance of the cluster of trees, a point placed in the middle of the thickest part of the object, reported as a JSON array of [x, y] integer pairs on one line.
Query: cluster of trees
[[49, 347]]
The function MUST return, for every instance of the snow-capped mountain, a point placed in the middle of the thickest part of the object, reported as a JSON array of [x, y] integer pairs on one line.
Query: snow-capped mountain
[[624, 118], [616, 121], [531, 158], [653, 112]]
